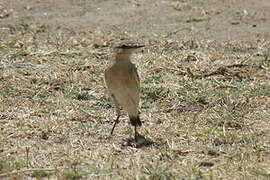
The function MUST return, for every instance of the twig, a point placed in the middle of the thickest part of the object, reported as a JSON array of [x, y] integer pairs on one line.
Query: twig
[[219, 71], [27, 156], [225, 86], [236, 65]]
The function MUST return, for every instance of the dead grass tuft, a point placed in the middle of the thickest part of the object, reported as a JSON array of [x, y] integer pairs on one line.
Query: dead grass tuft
[[205, 105]]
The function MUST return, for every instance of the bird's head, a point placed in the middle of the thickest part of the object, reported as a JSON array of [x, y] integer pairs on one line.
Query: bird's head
[[127, 49]]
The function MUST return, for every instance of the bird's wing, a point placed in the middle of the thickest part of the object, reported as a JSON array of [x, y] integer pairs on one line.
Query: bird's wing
[[107, 81], [106, 77], [108, 84], [136, 76]]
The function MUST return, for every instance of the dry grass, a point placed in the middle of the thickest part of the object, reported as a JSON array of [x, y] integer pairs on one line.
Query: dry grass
[[206, 106]]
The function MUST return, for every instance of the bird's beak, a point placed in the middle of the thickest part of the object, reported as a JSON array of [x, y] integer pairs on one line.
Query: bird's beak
[[129, 47], [137, 47]]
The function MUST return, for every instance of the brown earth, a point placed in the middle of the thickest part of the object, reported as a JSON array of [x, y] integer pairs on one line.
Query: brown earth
[[205, 104], [222, 20]]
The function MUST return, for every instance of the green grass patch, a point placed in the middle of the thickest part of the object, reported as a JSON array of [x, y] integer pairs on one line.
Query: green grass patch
[[104, 102], [41, 174], [154, 93], [193, 19], [83, 95], [231, 119], [261, 90], [11, 92], [194, 174]]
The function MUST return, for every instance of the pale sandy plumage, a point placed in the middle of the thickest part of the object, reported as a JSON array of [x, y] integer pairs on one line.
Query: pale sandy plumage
[[123, 84]]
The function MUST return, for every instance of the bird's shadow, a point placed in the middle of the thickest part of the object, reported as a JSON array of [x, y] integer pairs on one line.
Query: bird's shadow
[[141, 142]]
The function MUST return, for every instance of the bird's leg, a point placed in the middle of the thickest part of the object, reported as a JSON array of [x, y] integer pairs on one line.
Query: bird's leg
[[115, 122], [117, 118], [136, 133]]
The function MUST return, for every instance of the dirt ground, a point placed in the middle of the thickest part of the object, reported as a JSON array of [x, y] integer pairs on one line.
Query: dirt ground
[[204, 101], [223, 20]]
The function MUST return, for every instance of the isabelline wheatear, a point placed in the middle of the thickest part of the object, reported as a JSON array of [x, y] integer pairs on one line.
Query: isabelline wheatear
[[123, 84]]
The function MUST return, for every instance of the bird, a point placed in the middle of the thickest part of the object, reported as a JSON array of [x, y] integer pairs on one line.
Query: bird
[[123, 85]]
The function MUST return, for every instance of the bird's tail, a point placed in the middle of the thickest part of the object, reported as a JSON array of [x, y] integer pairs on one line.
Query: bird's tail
[[135, 121]]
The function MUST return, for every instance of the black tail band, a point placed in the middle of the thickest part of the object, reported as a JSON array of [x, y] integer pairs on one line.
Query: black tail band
[[135, 121]]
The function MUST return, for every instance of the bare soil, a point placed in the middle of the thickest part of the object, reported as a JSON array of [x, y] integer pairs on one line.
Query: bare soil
[[223, 20], [205, 89]]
